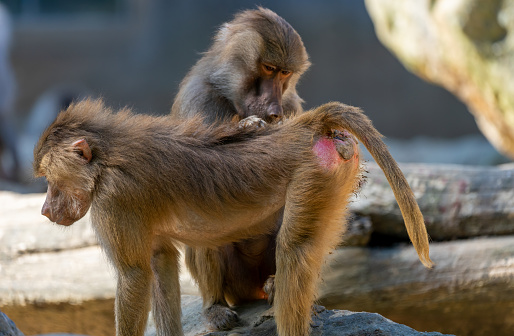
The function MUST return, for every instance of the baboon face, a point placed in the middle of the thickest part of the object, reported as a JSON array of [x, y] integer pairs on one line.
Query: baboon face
[[264, 96], [67, 198], [252, 67], [64, 206]]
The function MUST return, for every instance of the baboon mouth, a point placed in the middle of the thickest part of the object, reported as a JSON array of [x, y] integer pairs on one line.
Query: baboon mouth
[[274, 120], [64, 221]]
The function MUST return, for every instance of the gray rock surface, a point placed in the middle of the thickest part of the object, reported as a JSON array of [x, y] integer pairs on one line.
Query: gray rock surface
[[7, 327], [44, 262], [465, 46], [257, 320]]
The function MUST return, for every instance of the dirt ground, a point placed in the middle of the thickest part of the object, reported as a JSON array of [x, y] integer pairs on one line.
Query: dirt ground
[[95, 318]]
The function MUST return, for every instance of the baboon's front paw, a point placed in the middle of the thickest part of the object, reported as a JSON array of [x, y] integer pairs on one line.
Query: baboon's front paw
[[269, 288], [252, 122], [221, 317]]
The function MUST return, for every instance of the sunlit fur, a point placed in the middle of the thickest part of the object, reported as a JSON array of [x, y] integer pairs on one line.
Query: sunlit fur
[[155, 183], [227, 83]]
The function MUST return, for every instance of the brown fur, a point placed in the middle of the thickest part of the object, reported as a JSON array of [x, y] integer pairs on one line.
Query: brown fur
[[153, 183], [228, 80], [230, 83]]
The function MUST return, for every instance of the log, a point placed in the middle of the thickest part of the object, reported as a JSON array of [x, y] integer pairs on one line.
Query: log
[[469, 292], [456, 201]]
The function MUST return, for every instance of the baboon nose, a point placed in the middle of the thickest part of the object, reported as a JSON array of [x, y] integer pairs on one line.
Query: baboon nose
[[275, 113], [45, 211]]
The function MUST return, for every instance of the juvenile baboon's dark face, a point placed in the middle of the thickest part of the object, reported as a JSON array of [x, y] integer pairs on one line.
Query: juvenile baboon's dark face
[[264, 97]]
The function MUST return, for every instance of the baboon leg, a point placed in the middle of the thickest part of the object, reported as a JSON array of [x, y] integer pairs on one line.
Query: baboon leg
[[131, 259], [207, 266], [166, 289], [132, 302], [313, 225]]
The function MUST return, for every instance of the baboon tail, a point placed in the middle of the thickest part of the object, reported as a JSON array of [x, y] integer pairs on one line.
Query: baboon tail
[[338, 115]]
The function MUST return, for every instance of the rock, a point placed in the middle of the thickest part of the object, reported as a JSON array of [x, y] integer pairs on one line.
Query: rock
[[45, 263], [456, 201], [468, 281], [358, 232], [462, 45], [470, 291], [469, 277], [370, 275], [7, 327], [74, 276], [257, 320]]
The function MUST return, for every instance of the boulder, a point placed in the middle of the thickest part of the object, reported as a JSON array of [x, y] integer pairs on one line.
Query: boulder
[[257, 319], [465, 46]]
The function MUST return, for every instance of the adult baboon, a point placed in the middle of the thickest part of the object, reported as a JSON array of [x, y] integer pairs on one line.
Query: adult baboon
[[152, 183]]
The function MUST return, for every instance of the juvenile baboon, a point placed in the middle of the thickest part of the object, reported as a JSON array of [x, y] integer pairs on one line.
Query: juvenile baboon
[[152, 183], [251, 69]]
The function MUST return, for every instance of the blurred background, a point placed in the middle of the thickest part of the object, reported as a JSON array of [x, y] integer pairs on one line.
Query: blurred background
[[135, 53]]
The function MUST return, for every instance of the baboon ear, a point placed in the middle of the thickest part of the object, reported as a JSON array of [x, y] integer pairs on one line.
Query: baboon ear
[[83, 149]]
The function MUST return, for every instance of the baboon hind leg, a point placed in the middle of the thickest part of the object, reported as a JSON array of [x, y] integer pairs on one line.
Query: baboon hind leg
[[207, 267], [313, 225]]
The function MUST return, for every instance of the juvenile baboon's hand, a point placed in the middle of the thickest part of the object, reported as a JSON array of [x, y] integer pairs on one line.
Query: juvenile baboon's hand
[[252, 122]]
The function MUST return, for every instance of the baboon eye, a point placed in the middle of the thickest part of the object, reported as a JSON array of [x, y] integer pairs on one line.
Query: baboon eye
[[286, 72], [269, 68]]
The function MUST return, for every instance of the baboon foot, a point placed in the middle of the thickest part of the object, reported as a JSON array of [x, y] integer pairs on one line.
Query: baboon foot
[[221, 317]]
